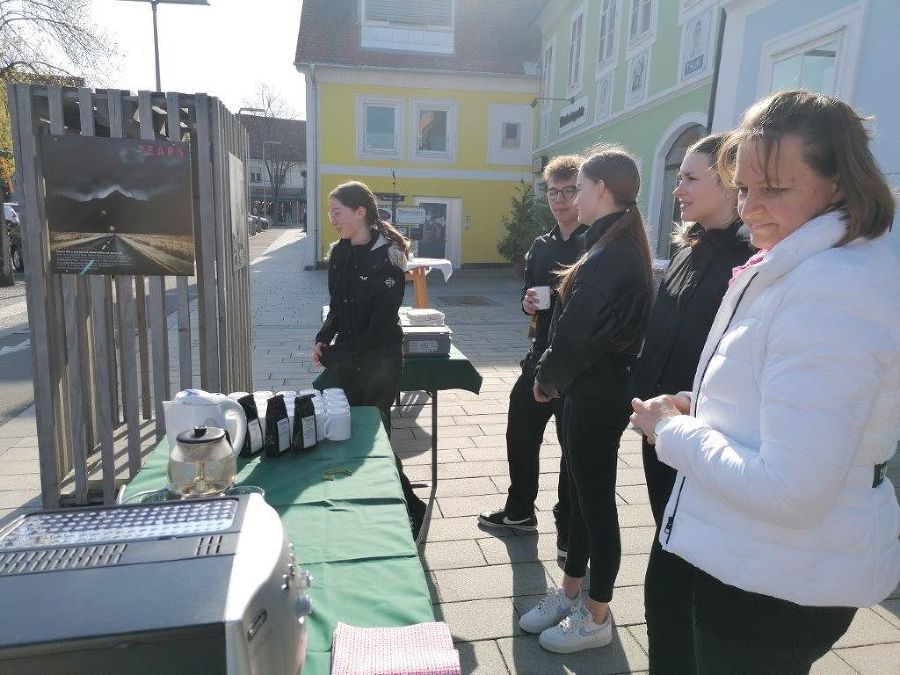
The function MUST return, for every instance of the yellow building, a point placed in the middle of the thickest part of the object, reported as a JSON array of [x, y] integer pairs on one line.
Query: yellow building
[[430, 101]]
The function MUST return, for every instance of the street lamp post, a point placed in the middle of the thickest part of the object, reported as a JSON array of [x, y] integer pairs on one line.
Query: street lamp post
[[153, 4]]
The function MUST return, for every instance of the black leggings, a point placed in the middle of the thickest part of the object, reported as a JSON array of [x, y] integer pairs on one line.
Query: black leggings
[[595, 413]]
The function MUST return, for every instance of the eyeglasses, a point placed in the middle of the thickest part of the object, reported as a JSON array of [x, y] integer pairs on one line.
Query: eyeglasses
[[565, 194], [333, 215]]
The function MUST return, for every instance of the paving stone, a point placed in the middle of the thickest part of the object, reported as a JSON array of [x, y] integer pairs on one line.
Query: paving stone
[[19, 482], [524, 656], [874, 660], [868, 628], [639, 632], [889, 610], [481, 658], [444, 555], [453, 507], [460, 470], [633, 494], [461, 487], [13, 499], [416, 457], [449, 431], [479, 619], [466, 527], [493, 581], [632, 571], [831, 664]]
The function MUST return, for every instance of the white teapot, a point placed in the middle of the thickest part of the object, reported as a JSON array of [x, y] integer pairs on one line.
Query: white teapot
[[197, 408]]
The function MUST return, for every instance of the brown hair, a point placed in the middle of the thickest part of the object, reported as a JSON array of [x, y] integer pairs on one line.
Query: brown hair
[[354, 194], [617, 169], [836, 145], [562, 167], [687, 233]]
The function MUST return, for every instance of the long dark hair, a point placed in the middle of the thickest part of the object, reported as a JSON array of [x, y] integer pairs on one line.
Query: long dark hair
[[617, 169], [355, 194], [836, 145], [691, 234]]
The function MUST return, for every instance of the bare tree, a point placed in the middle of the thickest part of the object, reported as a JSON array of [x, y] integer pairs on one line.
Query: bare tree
[[51, 37], [278, 163]]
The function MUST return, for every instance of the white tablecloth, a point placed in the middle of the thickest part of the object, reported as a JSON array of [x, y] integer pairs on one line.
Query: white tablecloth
[[445, 266]]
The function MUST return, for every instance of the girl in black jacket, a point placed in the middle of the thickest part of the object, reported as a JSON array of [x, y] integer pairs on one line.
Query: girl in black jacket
[[595, 335], [366, 281], [713, 242]]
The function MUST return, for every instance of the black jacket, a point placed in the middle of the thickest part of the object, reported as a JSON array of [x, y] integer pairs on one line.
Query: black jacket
[[605, 313], [548, 253], [685, 307], [366, 285]]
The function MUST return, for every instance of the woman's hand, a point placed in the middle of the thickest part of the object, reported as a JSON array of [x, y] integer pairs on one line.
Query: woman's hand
[[539, 394], [530, 302], [647, 414], [317, 353]]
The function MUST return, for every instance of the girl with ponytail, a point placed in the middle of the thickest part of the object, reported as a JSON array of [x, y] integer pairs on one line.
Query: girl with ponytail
[[595, 335], [366, 281]]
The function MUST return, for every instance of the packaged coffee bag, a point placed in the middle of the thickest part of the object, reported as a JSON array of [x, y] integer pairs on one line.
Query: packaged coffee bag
[[253, 440], [304, 438], [278, 428]]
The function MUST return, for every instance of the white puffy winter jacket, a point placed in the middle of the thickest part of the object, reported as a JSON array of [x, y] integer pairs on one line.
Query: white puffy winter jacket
[[796, 400]]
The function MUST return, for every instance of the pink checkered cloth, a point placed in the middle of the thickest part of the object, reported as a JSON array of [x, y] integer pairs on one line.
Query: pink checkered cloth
[[420, 649]]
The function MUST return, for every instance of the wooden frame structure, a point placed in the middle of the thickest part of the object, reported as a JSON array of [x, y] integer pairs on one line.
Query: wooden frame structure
[[104, 347]]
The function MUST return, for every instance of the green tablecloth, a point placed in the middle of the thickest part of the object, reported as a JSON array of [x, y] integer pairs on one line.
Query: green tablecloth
[[427, 373], [351, 533]]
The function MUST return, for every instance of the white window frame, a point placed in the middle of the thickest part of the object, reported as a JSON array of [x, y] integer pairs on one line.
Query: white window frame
[[544, 133], [370, 22], [631, 101], [611, 61], [452, 109], [846, 26], [599, 114], [374, 153], [638, 42], [547, 72], [575, 79], [688, 9]]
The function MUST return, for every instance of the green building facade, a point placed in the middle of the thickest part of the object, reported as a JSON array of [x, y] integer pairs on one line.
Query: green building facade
[[634, 72]]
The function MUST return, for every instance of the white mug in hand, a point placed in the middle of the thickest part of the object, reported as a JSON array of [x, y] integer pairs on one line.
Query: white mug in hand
[[542, 296]]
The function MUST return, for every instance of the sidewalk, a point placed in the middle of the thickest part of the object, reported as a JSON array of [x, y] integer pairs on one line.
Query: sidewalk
[[480, 582]]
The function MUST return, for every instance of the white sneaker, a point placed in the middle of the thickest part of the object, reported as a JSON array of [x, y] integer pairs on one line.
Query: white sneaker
[[576, 632], [553, 608]]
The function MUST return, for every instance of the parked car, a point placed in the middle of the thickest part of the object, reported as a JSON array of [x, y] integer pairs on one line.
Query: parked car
[[11, 218]]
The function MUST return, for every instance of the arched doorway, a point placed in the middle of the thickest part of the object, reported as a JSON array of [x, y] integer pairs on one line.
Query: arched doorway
[[668, 208]]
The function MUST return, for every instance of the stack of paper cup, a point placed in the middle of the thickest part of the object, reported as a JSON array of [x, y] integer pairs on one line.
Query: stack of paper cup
[[337, 415]]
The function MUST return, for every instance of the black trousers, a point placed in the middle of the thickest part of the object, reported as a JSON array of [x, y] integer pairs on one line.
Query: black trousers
[[375, 381], [596, 409], [741, 633], [525, 424], [668, 586]]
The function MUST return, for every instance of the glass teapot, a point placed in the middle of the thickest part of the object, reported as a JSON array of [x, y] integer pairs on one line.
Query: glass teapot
[[202, 463]]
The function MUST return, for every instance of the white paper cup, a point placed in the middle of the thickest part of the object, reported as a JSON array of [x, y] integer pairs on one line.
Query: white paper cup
[[337, 426], [309, 392], [543, 296], [235, 395], [333, 391]]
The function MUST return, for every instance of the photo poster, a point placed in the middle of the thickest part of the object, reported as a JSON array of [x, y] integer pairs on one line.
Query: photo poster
[[118, 205], [240, 234]]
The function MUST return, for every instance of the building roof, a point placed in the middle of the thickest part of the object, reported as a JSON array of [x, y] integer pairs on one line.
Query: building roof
[[290, 133], [491, 36]]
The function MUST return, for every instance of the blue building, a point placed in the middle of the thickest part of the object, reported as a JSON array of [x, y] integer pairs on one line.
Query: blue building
[[838, 47]]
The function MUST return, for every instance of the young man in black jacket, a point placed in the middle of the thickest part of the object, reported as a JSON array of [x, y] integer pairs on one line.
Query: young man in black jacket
[[527, 419]]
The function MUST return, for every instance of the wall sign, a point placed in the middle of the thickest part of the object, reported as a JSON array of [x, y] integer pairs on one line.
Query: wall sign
[[573, 115]]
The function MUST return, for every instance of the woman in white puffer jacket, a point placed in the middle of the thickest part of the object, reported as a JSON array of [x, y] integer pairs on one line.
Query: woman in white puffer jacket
[[781, 502]]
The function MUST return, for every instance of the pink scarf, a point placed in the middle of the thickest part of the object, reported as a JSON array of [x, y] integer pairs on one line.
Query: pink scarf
[[755, 259]]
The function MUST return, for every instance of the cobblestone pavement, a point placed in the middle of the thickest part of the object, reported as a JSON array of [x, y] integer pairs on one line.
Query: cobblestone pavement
[[480, 581]]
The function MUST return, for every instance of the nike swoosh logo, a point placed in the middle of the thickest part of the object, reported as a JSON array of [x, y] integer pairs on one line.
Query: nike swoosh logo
[[509, 521], [588, 633]]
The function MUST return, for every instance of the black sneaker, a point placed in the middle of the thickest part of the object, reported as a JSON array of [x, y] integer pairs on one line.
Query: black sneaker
[[501, 518]]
